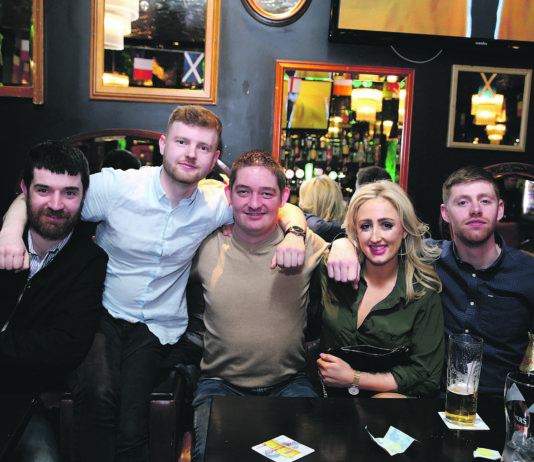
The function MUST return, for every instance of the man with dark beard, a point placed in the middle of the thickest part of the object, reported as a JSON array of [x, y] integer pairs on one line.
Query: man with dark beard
[[151, 222], [488, 288], [49, 313]]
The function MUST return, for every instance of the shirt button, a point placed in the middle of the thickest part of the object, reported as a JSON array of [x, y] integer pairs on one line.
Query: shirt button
[[474, 275], [471, 303]]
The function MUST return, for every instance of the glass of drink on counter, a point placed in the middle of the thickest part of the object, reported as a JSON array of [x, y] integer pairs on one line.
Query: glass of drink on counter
[[518, 405], [463, 372]]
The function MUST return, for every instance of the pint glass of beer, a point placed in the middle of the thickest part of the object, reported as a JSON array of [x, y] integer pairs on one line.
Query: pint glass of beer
[[518, 402], [463, 371]]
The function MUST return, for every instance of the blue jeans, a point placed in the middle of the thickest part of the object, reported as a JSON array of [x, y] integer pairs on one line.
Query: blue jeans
[[111, 390], [38, 443], [299, 386]]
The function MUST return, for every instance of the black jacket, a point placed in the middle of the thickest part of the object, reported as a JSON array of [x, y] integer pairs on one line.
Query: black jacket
[[55, 321]]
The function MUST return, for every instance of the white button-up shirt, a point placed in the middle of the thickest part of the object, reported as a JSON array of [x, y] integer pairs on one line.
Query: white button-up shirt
[[150, 245]]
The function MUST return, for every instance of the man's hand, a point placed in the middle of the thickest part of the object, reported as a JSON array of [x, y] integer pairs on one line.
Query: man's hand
[[13, 253], [343, 264], [290, 253]]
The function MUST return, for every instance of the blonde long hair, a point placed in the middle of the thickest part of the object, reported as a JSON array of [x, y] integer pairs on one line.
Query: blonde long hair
[[321, 196], [417, 254]]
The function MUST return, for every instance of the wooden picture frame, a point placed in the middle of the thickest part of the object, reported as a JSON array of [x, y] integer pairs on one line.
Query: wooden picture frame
[[206, 96], [512, 85], [276, 15], [36, 89], [280, 101]]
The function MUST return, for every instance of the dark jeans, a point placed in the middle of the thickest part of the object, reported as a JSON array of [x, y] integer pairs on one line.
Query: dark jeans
[[111, 391], [298, 386], [38, 443]]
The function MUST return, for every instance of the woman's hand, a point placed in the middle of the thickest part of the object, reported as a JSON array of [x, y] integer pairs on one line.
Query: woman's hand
[[334, 371]]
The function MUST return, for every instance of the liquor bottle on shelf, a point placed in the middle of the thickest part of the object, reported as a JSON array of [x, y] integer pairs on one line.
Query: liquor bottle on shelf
[[313, 149]]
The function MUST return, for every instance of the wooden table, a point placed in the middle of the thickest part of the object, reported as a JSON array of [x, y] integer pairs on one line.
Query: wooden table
[[15, 412], [335, 428]]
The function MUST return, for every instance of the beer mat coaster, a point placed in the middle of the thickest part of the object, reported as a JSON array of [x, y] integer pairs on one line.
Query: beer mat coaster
[[484, 453], [282, 448], [478, 425]]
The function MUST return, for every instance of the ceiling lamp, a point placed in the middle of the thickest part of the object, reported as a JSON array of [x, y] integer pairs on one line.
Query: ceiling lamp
[[366, 102], [118, 16], [487, 105], [486, 108], [495, 133], [115, 80]]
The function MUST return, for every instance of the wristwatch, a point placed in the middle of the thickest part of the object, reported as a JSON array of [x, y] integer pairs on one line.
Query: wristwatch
[[353, 389], [297, 230]]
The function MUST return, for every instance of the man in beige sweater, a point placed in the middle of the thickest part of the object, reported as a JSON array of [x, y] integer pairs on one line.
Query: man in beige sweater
[[255, 316]]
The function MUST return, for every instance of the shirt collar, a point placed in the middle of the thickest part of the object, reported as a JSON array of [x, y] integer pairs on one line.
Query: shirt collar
[[498, 240], [399, 290], [35, 262], [160, 192]]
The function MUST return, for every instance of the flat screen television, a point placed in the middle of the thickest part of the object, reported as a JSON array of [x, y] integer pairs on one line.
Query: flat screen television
[[490, 24]]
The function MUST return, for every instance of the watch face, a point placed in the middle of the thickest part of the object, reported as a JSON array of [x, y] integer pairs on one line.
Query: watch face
[[353, 390], [298, 229]]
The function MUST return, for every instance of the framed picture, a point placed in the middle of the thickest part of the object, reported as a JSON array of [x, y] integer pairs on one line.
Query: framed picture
[[165, 51], [489, 108], [276, 12], [22, 49]]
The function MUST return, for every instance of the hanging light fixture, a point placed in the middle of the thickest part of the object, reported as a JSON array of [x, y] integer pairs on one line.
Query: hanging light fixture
[[366, 102], [118, 15], [487, 105], [495, 133]]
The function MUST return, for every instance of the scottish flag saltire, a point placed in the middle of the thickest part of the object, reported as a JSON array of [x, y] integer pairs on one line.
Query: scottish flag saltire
[[193, 67]]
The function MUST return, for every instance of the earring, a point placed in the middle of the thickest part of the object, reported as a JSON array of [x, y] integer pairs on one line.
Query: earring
[[402, 249]]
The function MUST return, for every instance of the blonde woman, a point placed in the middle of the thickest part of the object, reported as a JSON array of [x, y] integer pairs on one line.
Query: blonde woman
[[321, 201], [397, 302]]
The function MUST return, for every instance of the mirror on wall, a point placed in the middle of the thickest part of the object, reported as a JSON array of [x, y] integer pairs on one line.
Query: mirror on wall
[[336, 119], [143, 144], [489, 108], [21, 49], [155, 50]]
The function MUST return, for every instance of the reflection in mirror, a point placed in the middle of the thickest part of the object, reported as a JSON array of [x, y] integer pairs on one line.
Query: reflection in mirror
[[144, 144], [489, 108], [21, 45], [336, 119], [155, 50], [516, 184]]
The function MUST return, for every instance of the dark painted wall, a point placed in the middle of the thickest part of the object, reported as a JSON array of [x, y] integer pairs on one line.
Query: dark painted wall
[[248, 52]]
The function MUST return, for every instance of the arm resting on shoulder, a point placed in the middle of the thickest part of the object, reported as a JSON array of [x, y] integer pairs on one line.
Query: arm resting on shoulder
[[343, 264], [13, 253], [291, 251]]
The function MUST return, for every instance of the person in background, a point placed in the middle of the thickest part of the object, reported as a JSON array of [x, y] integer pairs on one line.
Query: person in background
[[50, 312], [151, 222], [121, 159], [321, 201], [488, 287], [255, 317], [370, 175], [396, 304]]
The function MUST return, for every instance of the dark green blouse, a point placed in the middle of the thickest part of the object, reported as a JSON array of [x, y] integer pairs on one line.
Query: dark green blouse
[[390, 323]]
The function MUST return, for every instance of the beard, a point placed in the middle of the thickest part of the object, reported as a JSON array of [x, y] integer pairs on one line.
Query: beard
[[38, 220], [477, 238]]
